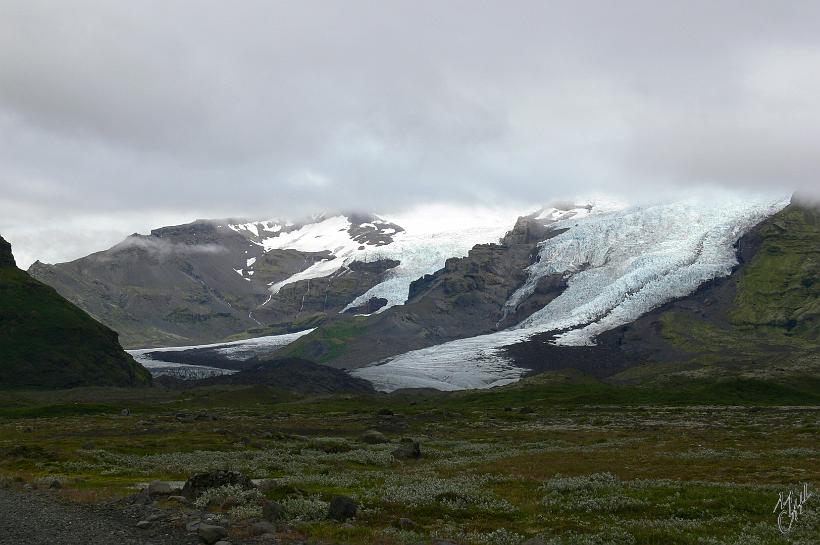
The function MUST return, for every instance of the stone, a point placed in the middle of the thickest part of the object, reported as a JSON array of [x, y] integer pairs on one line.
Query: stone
[[159, 488], [201, 482], [140, 498], [143, 524], [405, 524], [55, 485], [408, 449], [271, 511], [262, 527], [179, 499], [384, 412], [125, 412], [223, 542], [526, 410], [373, 437], [210, 533], [342, 508]]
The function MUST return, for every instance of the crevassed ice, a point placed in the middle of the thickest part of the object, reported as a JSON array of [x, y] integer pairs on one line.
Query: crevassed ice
[[619, 265]]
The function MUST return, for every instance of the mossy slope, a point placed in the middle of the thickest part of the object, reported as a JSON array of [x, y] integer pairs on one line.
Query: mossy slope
[[47, 342]]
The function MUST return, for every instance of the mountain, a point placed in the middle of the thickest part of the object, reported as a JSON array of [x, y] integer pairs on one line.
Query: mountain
[[46, 342], [210, 280], [601, 288]]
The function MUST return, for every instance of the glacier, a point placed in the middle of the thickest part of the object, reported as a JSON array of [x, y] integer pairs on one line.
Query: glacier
[[619, 264], [151, 358]]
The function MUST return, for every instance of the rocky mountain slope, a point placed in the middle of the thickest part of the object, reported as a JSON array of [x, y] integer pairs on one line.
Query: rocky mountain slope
[[46, 342], [466, 297], [208, 280]]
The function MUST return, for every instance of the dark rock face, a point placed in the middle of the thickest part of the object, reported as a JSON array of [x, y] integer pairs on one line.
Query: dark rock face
[[342, 508], [326, 296], [372, 230], [374, 304], [201, 482], [6, 257]]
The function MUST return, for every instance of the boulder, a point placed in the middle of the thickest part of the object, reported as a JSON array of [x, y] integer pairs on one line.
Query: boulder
[[159, 488], [407, 450], [342, 508], [210, 533], [373, 437], [201, 482], [262, 527], [271, 511]]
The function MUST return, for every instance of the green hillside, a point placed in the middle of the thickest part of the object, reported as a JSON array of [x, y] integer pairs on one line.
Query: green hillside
[[47, 342], [762, 322]]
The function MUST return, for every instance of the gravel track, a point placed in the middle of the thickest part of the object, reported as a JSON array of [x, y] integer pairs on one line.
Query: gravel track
[[39, 518]]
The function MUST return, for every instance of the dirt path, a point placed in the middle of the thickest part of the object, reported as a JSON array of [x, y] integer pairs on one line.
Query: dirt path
[[38, 518]]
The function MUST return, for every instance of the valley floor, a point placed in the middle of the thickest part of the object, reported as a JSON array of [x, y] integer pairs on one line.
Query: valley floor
[[497, 468]]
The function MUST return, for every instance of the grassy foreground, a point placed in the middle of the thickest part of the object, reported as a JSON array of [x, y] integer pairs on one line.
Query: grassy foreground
[[549, 459]]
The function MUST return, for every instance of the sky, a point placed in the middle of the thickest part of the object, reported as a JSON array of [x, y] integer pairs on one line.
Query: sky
[[117, 117]]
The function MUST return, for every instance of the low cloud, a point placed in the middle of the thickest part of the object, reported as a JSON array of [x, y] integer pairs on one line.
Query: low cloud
[[160, 248]]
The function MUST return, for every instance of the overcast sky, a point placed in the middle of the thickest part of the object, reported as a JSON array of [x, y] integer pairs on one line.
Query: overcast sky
[[117, 117]]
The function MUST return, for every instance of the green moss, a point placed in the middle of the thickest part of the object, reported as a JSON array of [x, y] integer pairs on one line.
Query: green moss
[[780, 287], [46, 342], [328, 342]]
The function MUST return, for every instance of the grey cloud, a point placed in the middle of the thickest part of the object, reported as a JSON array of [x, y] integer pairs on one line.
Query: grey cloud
[[185, 109]]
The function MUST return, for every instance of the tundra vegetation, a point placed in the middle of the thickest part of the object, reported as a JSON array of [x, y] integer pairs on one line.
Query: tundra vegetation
[[556, 457]]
